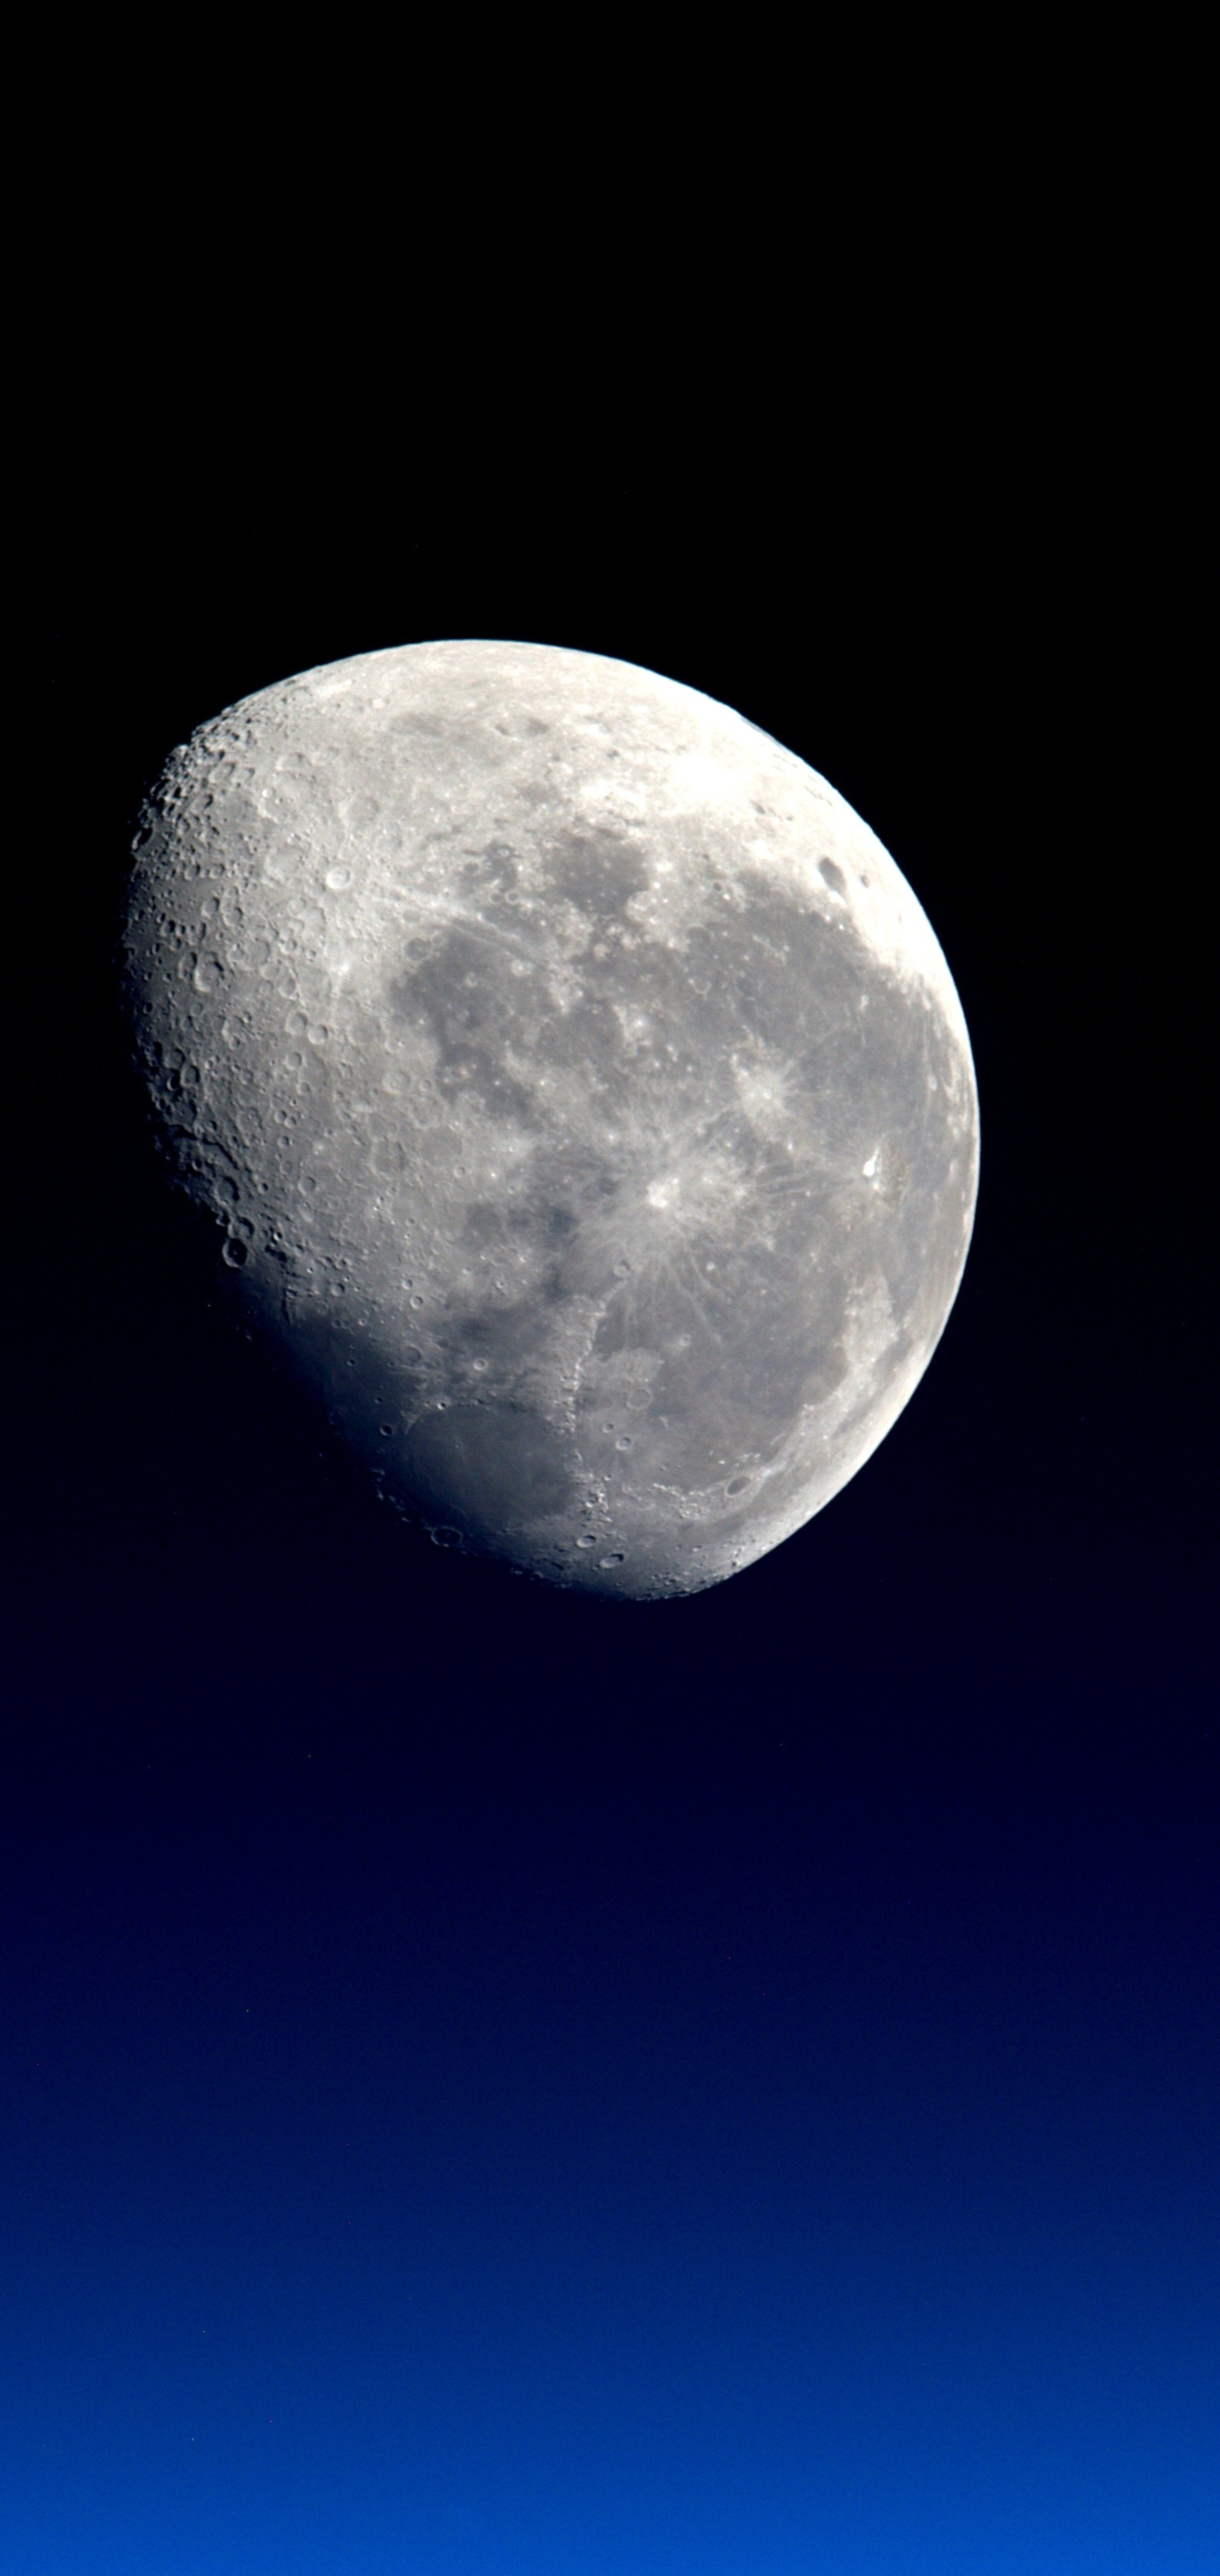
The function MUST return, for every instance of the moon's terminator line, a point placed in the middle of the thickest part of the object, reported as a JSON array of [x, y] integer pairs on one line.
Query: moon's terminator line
[[581, 1089]]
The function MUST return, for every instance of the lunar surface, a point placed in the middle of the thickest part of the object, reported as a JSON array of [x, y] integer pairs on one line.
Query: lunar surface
[[578, 1089]]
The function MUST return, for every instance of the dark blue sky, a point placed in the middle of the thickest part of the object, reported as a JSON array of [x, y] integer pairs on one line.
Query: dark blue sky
[[493, 2082]]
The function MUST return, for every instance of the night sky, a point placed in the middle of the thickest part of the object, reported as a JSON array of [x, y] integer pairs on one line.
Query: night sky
[[492, 2081]]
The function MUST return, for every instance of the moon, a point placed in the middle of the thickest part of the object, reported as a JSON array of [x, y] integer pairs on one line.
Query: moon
[[579, 1090]]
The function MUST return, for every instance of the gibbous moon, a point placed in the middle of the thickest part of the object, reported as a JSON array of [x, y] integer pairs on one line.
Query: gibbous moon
[[579, 1089]]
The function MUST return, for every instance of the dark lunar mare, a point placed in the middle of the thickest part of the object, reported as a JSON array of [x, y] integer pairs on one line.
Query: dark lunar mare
[[727, 1351]]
